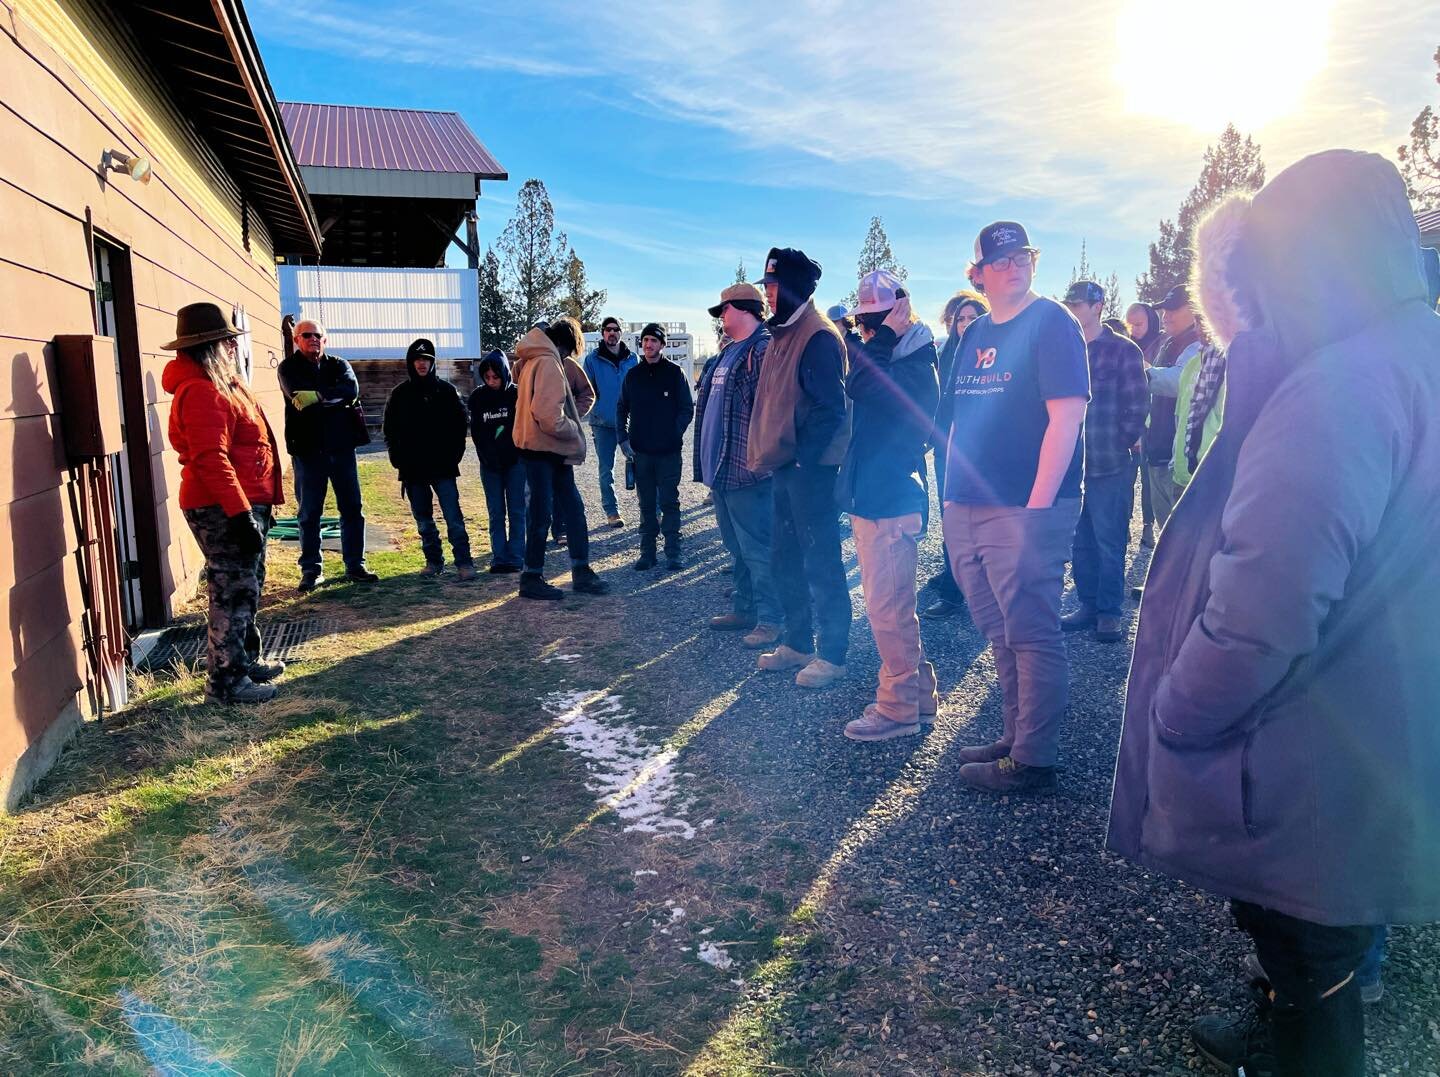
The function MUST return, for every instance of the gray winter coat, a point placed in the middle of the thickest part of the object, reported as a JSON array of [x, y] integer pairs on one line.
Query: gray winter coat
[[1281, 741]]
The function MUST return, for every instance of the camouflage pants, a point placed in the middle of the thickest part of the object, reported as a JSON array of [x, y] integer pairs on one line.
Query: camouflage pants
[[235, 581]]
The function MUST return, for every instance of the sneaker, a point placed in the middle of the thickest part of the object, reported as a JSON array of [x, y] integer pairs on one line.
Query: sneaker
[[784, 657], [1240, 1045], [1007, 776], [244, 692], [584, 581], [1109, 628], [762, 635], [432, 568], [645, 561], [309, 581], [872, 725], [361, 575], [533, 585], [466, 573], [943, 607], [614, 520], [984, 753], [265, 672], [1147, 537], [820, 674], [732, 622], [1082, 618]]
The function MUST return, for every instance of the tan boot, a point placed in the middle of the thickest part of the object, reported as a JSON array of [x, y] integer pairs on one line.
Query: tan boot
[[820, 674], [763, 636], [783, 657]]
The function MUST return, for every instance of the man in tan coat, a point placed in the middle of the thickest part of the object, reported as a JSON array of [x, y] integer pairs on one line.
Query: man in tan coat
[[548, 435]]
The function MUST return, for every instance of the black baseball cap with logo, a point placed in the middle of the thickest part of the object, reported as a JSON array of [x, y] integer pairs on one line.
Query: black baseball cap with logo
[[999, 239], [1175, 298], [1085, 291]]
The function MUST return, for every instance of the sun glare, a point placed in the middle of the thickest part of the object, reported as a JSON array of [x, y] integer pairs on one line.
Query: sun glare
[[1241, 61]]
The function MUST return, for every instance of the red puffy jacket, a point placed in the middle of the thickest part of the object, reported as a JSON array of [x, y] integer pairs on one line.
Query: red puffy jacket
[[228, 455]]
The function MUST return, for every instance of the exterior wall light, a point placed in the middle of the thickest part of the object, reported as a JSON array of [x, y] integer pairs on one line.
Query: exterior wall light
[[138, 169]]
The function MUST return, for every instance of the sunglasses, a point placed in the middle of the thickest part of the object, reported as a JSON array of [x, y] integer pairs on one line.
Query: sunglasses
[[312, 336], [611, 329]]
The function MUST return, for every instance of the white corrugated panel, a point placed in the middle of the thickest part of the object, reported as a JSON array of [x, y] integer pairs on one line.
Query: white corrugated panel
[[374, 313]]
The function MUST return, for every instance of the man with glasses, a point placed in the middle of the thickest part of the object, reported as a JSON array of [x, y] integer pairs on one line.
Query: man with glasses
[[323, 427], [1012, 500], [606, 367]]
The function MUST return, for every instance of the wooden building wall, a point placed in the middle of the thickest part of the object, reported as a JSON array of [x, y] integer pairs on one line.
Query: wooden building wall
[[73, 85]]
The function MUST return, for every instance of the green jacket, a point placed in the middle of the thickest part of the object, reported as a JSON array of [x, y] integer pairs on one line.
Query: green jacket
[[1179, 466]]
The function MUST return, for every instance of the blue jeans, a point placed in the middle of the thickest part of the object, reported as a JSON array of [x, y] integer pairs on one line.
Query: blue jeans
[[422, 505], [743, 516], [314, 473], [552, 489], [805, 561], [1101, 539], [505, 498], [606, 440]]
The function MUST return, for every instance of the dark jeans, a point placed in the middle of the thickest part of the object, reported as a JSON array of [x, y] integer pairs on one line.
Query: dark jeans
[[505, 500], [657, 485], [1318, 1021], [422, 505], [805, 561], [1101, 539], [553, 490], [233, 582], [605, 444], [313, 474], [743, 517]]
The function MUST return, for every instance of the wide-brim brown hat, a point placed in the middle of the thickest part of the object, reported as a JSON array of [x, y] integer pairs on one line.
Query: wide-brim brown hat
[[200, 323]]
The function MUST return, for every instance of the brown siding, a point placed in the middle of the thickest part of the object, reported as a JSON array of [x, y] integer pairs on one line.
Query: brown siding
[[71, 88]]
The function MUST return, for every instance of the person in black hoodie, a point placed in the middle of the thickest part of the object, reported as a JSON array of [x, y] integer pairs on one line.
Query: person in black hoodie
[[654, 410], [492, 417], [424, 430]]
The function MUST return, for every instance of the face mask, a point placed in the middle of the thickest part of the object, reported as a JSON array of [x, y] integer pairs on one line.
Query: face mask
[[874, 320]]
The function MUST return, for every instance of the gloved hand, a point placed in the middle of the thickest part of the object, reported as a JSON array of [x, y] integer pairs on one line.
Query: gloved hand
[[304, 398], [628, 452], [245, 533]]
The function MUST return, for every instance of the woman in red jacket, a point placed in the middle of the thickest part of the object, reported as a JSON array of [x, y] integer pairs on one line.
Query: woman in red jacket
[[229, 483]]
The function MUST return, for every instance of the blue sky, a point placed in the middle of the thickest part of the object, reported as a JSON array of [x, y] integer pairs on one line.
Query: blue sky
[[678, 139]]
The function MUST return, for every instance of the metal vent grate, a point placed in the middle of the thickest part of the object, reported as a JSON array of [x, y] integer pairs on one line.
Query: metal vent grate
[[278, 640]]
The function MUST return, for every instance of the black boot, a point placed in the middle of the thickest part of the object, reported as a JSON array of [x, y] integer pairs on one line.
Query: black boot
[[584, 581], [647, 559], [1239, 1045], [533, 585], [673, 561]]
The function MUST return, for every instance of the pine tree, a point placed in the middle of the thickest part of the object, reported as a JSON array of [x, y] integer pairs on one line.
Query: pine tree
[[535, 256], [1114, 308], [715, 324], [499, 325], [580, 301], [1232, 164], [1420, 160], [875, 254]]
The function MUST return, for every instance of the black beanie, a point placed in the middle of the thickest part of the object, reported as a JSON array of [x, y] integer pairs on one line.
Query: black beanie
[[654, 330], [795, 274]]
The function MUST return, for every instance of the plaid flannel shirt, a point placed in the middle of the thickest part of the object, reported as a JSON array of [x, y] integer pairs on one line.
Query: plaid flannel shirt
[[1119, 402], [1202, 399], [738, 401]]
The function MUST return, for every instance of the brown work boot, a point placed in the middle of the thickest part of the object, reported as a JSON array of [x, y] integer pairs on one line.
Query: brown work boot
[[984, 753], [1007, 776], [763, 635], [784, 657], [732, 622], [820, 674]]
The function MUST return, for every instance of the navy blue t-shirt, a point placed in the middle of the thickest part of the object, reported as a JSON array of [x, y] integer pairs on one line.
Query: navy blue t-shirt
[[1003, 376]]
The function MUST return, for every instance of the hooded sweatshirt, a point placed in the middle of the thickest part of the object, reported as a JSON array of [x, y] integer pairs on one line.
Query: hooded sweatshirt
[[424, 427], [893, 388], [1281, 740], [547, 419], [606, 371], [492, 416], [228, 455]]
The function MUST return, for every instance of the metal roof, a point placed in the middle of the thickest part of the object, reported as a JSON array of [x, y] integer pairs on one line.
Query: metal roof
[[206, 52], [1429, 223], [412, 140]]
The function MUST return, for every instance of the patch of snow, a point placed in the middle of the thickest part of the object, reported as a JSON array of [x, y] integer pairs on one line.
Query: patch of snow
[[706, 931], [635, 779], [676, 914], [646, 871], [561, 658], [707, 824], [713, 954]]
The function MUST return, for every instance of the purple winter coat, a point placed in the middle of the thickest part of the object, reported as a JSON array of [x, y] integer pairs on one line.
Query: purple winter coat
[[1281, 741]]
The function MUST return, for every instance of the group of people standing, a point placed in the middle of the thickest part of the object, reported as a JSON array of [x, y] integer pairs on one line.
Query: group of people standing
[[1279, 745]]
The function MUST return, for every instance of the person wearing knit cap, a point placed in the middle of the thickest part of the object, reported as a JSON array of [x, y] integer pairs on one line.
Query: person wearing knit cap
[[651, 418], [424, 429], [798, 432], [502, 474]]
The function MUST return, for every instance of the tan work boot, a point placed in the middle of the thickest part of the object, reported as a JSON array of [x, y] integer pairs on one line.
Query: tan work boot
[[820, 674], [783, 657], [763, 636]]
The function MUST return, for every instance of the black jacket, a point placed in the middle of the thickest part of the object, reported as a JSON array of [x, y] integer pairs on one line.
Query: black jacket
[[425, 428], [492, 417], [336, 423], [655, 408], [894, 399]]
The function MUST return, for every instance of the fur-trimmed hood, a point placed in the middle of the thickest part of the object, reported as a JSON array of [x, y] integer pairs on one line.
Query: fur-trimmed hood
[[1216, 238]]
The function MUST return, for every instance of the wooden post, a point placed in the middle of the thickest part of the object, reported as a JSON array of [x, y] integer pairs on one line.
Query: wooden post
[[472, 240]]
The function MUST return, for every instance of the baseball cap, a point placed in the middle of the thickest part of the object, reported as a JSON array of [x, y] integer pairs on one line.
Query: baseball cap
[[653, 330], [422, 348], [999, 239], [736, 293], [1175, 298], [877, 291], [837, 312], [1084, 291]]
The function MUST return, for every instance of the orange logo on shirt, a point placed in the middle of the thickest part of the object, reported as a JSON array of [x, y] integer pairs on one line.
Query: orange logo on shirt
[[984, 359]]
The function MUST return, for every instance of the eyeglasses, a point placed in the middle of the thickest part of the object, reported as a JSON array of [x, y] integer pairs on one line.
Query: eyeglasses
[[312, 336], [611, 329], [1021, 259]]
